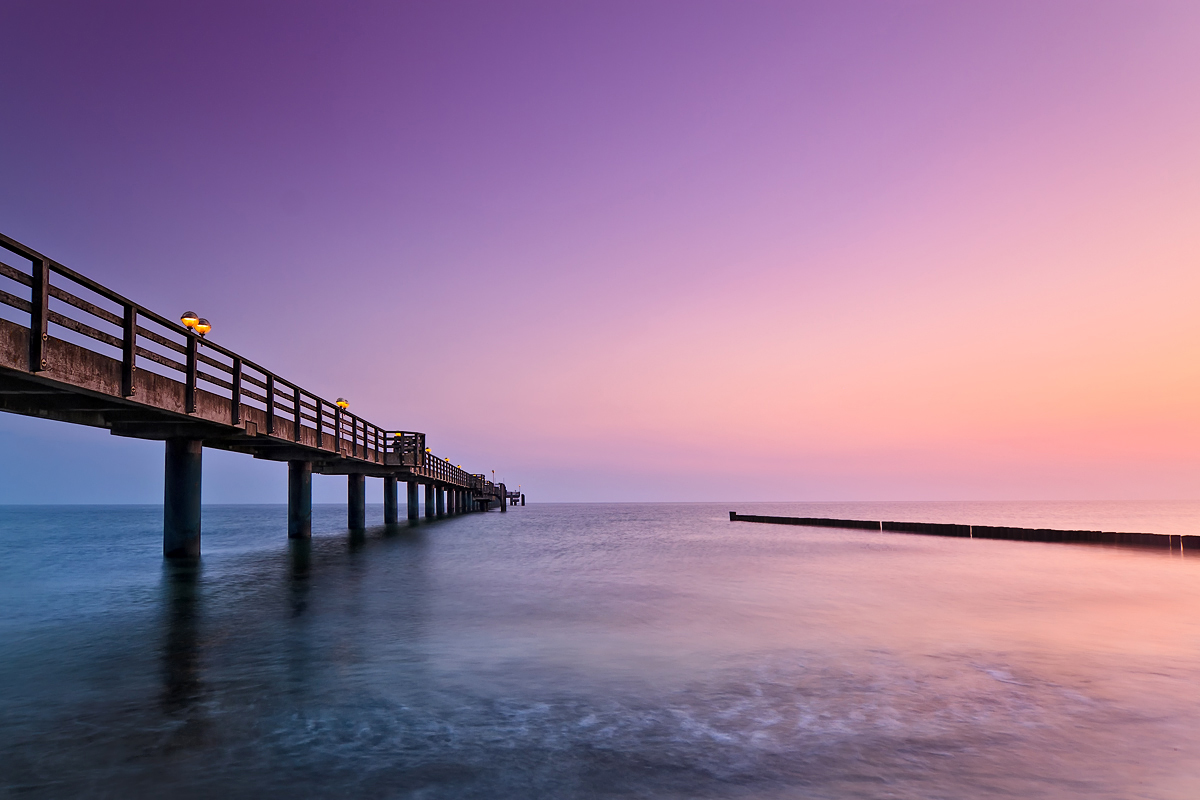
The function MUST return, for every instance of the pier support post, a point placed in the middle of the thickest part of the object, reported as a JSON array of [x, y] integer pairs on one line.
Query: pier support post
[[441, 502], [522, 498], [503, 498], [413, 500], [391, 502], [181, 498], [429, 503], [356, 501], [299, 499]]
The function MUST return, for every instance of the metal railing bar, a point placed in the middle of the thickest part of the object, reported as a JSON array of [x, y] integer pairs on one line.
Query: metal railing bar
[[252, 379], [16, 302], [84, 305], [160, 359], [204, 376], [16, 274], [157, 339], [86, 330], [255, 395], [212, 362]]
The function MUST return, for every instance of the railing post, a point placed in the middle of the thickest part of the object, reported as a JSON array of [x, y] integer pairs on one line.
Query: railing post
[[189, 392], [296, 412], [270, 404], [235, 409], [39, 315], [128, 351], [320, 422], [337, 430]]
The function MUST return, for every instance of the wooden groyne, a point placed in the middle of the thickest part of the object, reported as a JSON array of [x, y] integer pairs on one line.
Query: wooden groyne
[[1149, 540]]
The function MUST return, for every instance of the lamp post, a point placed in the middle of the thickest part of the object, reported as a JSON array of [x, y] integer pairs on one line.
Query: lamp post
[[342, 404]]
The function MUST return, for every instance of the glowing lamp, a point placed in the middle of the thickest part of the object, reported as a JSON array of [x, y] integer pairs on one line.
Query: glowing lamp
[[189, 319], [202, 326], [342, 404]]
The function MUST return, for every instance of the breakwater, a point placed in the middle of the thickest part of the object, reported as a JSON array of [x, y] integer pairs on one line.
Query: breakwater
[[1150, 540]]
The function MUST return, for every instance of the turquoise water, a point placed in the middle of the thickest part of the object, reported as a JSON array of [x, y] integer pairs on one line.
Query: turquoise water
[[648, 651]]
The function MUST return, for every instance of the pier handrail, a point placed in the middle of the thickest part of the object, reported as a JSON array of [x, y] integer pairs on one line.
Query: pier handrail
[[143, 335]]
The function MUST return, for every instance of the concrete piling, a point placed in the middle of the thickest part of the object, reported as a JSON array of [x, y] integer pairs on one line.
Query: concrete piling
[[441, 502], [413, 500], [429, 501], [391, 501], [299, 499], [356, 501], [181, 498]]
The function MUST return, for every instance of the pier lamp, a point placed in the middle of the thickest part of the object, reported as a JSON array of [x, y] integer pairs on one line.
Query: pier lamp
[[202, 326], [189, 319], [342, 404]]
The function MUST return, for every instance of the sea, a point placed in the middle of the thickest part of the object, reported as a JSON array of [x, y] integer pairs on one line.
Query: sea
[[599, 651]]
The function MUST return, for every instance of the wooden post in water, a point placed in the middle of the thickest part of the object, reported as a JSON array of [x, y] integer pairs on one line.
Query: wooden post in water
[[414, 510], [391, 501], [356, 501], [429, 502], [299, 499], [181, 498]]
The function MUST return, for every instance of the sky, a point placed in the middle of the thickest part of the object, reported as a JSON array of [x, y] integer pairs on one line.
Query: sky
[[646, 250]]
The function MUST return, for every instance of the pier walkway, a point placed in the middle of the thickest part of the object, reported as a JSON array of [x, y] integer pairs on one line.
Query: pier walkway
[[76, 351]]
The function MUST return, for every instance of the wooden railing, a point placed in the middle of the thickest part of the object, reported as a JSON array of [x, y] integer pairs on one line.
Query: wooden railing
[[50, 298]]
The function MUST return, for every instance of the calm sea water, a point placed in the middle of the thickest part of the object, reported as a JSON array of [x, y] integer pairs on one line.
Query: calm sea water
[[580, 651]]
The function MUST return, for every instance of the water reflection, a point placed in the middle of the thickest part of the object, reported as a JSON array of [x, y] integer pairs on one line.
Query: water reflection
[[183, 688], [300, 557]]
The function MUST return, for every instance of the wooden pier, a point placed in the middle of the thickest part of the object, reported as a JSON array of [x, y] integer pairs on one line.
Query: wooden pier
[[79, 352]]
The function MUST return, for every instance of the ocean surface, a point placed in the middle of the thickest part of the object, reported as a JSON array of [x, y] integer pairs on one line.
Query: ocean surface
[[599, 651]]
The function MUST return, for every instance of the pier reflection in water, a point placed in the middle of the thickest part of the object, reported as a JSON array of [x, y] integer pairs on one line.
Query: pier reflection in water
[[590, 651]]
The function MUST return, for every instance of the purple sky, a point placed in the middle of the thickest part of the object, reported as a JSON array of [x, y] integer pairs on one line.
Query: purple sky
[[735, 250]]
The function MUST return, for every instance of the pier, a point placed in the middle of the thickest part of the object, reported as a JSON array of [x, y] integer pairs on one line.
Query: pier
[[79, 352]]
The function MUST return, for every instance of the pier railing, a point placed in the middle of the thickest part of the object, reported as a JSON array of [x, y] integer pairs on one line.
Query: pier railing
[[51, 299]]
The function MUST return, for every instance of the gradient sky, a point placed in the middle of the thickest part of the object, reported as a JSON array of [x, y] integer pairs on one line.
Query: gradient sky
[[642, 250]]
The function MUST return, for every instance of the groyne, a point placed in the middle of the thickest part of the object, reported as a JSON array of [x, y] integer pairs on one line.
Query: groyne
[[1163, 541]]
